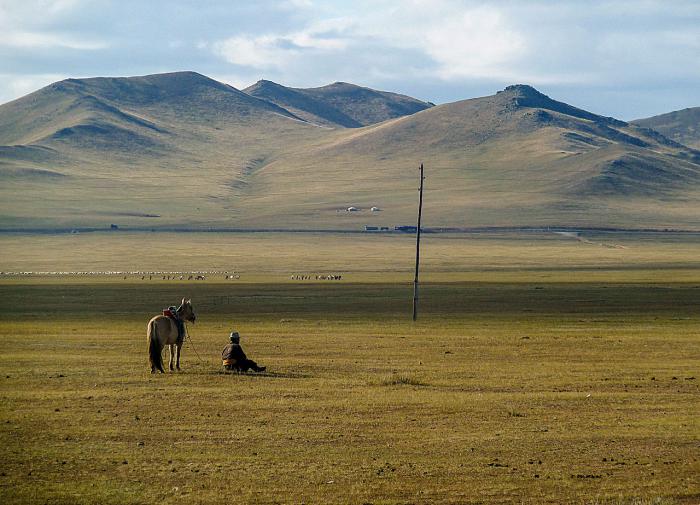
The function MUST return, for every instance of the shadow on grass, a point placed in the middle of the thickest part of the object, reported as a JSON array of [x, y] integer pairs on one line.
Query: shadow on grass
[[266, 374], [213, 371]]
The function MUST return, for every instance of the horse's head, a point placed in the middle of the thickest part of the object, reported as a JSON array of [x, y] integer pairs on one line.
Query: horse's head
[[186, 312]]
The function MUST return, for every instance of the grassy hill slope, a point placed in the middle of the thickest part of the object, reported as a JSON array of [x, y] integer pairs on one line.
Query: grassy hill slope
[[182, 150], [517, 158], [302, 105], [682, 125], [154, 150], [338, 104]]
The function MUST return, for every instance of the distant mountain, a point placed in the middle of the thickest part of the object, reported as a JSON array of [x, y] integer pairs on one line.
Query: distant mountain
[[338, 104], [119, 108], [301, 104], [517, 110], [515, 158], [682, 126], [170, 145], [183, 150]]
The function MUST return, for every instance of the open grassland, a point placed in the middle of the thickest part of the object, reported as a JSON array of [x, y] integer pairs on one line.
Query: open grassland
[[274, 257], [526, 384]]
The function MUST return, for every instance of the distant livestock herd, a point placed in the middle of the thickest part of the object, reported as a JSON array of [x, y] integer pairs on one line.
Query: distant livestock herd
[[170, 276], [321, 277]]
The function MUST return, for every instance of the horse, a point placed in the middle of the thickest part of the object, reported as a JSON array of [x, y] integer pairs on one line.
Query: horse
[[162, 331]]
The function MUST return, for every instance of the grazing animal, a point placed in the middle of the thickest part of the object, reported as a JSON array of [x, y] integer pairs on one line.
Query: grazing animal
[[162, 331]]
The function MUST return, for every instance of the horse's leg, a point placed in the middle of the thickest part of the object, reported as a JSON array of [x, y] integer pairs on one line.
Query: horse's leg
[[178, 348], [160, 358], [171, 348], [160, 365], [154, 348]]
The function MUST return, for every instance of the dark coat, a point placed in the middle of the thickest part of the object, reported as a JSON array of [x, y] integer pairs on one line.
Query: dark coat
[[234, 354]]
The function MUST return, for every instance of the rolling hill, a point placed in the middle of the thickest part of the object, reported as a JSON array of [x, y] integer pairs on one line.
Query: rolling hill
[[682, 125], [181, 150], [86, 151], [517, 158], [339, 104], [106, 107]]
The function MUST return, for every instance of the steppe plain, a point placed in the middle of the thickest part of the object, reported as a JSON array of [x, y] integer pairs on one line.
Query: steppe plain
[[543, 368]]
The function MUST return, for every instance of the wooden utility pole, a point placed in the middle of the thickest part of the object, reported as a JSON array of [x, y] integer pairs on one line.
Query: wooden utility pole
[[415, 279]]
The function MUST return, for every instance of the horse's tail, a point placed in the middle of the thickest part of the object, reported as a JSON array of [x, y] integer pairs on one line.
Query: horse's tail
[[154, 350]]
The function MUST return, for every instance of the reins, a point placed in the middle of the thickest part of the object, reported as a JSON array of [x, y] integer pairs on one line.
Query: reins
[[187, 334]]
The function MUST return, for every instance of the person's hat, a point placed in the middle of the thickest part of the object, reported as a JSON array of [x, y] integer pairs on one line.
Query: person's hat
[[234, 336]]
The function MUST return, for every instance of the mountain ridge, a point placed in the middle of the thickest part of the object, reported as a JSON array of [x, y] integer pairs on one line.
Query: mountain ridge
[[122, 96], [502, 159], [340, 103], [183, 150], [314, 111], [682, 126]]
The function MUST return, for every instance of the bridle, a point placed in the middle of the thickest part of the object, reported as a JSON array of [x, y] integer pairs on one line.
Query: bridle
[[187, 333]]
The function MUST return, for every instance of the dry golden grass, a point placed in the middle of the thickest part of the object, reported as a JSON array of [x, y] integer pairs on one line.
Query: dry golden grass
[[500, 394], [364, 257], [528, 386]]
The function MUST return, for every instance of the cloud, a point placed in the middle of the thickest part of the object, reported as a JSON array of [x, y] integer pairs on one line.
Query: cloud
[[475, 43], [261, 52], [667, 48], [438, 50], [456, 41], [282, 50], [15, 86], [325, 35], [30, 40], [56, 6], [36, 24], [296, 4], [37, 13]]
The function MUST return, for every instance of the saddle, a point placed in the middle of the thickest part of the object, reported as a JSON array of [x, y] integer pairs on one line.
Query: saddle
[[171, 312]]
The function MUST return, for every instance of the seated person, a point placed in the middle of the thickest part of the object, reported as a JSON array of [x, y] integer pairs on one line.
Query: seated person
[[235, 359]]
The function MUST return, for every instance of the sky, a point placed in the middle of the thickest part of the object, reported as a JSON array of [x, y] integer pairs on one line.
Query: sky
[[627, 59]]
